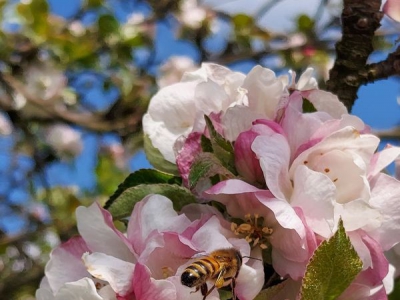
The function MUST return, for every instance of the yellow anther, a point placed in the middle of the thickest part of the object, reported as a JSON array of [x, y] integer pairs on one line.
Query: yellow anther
[[234, 226], [245, 227]]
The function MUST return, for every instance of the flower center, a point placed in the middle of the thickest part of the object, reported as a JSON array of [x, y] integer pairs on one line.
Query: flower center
[[253, 230]]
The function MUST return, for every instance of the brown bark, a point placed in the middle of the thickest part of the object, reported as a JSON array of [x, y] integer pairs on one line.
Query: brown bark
[[360, 20]]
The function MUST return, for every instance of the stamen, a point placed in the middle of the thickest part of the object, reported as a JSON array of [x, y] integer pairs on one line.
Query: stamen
[[253, 230]]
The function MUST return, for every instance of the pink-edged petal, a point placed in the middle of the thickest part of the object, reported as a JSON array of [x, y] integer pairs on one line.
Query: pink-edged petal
[[315, 194], [154, 212], [246, 161], [382, 159], [379, 269], [164, 261], [286, 267], [78, 290], [116, 272], [251, 278], [348, 140], [392, 9], [96, 227], [233, 194], [241, 198], [385, 197], [147, 288], [65, 264], [274, 154], [326, 102], [299, 127]]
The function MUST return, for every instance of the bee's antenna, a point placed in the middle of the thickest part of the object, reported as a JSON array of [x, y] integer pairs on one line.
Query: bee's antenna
[[252, 258]]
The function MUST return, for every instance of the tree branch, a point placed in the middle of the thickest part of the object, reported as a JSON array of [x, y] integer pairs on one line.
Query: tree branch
[[95, 122], [383, 69], [360, 20]]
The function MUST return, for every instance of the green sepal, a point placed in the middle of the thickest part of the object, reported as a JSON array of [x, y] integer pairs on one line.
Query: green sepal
[[222, 148], [206, 165]]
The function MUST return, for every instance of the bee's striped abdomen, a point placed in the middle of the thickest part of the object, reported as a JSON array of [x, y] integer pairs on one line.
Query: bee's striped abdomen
[[200, 271]]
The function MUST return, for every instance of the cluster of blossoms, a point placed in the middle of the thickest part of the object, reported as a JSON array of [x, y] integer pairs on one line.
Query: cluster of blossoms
[[301, 163]]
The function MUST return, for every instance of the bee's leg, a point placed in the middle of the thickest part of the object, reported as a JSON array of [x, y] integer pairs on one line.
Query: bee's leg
[[233, 284], [209, 292], [218, 283], [204, 290]]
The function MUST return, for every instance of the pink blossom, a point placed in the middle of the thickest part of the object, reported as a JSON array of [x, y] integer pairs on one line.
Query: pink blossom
[[392, 9], [281, 228], [147, 262]]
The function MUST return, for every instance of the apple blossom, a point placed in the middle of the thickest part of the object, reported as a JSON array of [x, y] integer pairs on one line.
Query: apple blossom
[[64, 139], [5, 125], [146, 262], [317, 167], [392, 9]]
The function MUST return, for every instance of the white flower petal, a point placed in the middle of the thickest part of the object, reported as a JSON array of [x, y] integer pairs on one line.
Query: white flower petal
[[116, 272]]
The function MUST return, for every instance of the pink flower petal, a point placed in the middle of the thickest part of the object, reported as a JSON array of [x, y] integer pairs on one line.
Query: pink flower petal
[[153, 213], [392, 9], [96, 227], [251, 278], [83, 288], [116, 272], [382, 159], [315, 194], [386, 198], [65, 264], [147, 288], [274, 154]]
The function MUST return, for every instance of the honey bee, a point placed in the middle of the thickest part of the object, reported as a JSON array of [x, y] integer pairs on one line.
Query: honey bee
[[219, 267]]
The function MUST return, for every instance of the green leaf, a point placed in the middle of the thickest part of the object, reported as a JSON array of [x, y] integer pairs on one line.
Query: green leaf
[[206, 165], [308, 107], [123, 205], [221, 147], [143, 176], [331, 269]]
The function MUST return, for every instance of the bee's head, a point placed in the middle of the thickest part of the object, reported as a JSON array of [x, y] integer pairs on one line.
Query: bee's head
[[190, 279]]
